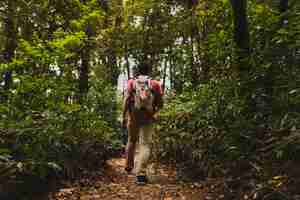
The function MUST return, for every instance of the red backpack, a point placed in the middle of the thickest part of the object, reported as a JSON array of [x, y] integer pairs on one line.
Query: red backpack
[[145, 93]]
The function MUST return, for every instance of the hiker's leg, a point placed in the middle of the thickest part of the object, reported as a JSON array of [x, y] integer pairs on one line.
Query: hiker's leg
[[131, 143], [146, 133]]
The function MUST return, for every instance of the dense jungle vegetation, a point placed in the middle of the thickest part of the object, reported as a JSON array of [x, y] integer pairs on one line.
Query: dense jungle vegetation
[[230, 69]]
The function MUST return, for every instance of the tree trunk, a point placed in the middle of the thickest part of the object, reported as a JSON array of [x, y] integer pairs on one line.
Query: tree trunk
[[203, 58], [165, 74], [127, 61], [242, 51], [11, 41], [194, 67], [111, 59], [241, 33], [281, 50], [284, 52], [112, 65], [283, 5], [84, 73], [172, 70], [85, 54]]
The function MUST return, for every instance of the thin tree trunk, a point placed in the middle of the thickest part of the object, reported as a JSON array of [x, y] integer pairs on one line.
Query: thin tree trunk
[[284, 53], [242, 51], [194, 69], [283, 5], [113, 65], [172, 69], [203, 58], [146, 47], [281, 50], [85, 65], [127, 61], [11, 41], [165, 74], [241, 33], [84, 73]]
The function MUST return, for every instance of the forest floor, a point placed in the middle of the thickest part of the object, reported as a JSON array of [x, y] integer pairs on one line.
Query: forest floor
[[113, 183]]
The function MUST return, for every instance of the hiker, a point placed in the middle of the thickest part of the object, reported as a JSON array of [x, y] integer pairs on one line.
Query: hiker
[[142, 101]]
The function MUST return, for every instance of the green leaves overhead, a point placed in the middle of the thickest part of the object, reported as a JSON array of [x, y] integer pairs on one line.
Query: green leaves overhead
[[71, 42]]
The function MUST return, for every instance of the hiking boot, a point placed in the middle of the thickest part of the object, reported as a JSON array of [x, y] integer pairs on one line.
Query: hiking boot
[[141, 180]]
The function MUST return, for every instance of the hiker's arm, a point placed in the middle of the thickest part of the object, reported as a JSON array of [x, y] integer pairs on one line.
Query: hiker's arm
[[158, 101], [125, 108], [159, 98], [126, 102]]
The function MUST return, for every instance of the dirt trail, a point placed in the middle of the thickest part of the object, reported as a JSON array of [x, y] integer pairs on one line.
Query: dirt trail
[[115, 184]]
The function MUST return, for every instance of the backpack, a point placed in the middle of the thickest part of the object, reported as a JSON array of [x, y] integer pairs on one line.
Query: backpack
[[143, 93]]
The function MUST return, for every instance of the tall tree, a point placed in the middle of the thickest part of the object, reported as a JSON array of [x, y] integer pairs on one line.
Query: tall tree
[[90, 23], [10, 31], [283, 5], [84, 69], [241, 33]]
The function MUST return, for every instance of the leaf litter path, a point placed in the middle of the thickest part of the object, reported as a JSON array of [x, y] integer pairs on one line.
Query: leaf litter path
[[115, 184]]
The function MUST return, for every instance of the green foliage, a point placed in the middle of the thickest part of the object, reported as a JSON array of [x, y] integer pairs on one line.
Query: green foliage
[[61, 107], [214, 127], [47, 127], [44, 136], [72, 42], [209, 127]]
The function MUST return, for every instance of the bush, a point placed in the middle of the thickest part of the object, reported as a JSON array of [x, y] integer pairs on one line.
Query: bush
[[55, 137], [218, 125]]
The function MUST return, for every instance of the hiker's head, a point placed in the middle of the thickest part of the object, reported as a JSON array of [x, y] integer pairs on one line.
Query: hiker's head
[[143, 69]]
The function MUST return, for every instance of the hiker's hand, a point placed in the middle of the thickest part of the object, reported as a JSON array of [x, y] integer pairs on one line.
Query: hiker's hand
[[155, 117]]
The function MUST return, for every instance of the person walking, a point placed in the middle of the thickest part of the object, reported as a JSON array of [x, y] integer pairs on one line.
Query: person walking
[[143, 100]]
